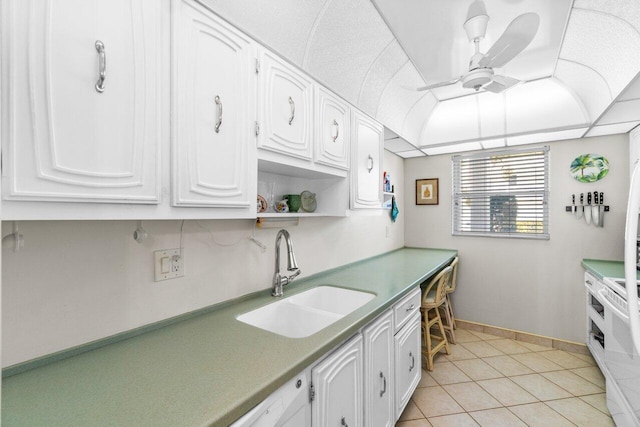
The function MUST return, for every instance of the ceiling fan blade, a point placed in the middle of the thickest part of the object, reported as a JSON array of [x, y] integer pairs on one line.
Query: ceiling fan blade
[[500, 84], [514, 40], [441, 84]]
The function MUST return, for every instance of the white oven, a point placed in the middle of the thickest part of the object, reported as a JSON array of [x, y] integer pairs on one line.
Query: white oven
[[621, 358]]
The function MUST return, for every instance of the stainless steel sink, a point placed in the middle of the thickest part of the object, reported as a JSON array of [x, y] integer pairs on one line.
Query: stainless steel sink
[[308, 312]]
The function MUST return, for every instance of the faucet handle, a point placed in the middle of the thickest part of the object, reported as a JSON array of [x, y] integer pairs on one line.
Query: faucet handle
[[294, 275]]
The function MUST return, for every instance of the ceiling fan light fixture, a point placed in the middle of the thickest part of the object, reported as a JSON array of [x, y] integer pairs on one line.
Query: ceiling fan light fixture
[[476, 27], [475, 79]]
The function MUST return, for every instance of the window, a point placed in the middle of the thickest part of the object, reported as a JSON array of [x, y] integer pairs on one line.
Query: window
[[501, 193]]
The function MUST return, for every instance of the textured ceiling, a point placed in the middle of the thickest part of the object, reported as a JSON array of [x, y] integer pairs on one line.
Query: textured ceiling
[[347, 46]]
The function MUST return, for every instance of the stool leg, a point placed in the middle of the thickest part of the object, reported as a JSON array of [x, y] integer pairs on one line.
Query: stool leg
[[444, 336], [449, 326], [428, 342], [450, 306]]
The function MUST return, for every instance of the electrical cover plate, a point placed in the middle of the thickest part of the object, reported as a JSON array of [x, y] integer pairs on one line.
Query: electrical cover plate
[[169, 264]]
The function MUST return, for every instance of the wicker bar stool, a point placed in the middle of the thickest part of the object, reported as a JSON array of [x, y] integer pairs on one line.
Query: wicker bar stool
[[450, 323], [433, 298]]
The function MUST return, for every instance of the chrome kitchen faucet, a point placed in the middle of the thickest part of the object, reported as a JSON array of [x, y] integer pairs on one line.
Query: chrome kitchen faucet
[[278, 280]]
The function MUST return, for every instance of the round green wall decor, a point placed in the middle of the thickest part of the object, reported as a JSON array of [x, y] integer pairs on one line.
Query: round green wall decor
[[589, 167]]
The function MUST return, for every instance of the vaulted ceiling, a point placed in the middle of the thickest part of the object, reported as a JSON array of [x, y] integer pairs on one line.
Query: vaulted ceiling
[[580, 72]]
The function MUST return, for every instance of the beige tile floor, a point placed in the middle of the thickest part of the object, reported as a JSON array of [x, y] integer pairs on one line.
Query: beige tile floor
[[491, 381]]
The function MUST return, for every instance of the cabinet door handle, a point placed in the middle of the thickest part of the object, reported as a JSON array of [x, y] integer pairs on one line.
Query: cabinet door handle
[[411, 307], [369, 163], [344, 423], [293, 110], [413, 361], [219, 122], [102, 66], [335, 123], [384, 384]]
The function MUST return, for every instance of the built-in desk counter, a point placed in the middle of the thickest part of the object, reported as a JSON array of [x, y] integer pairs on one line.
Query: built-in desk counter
[[207, 369]]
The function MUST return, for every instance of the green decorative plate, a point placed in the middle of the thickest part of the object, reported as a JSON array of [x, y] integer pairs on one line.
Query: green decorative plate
[[589, 168]]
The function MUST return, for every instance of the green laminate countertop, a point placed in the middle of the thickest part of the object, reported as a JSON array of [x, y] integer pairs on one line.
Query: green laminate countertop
[[208, 369], [604, 268]]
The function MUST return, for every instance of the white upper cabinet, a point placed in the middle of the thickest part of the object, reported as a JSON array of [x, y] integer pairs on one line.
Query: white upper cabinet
[[333, 130], [366, 161], [285, 107], [213, 111], [81, 100]]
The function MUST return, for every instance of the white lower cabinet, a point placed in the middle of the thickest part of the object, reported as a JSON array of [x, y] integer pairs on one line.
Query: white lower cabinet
[[337, 387], [379, 381], [407, 362], [367, 381]]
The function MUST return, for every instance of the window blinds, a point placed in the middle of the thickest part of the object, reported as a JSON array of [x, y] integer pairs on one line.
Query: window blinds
[[501, 193]]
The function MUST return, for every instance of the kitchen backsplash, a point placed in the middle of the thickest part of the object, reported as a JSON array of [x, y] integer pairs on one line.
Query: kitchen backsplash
[[78, 281]]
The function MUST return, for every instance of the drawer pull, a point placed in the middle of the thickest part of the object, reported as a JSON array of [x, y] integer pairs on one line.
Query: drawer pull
[[384, 385], [411, 307], [413, 361], [344, 423]]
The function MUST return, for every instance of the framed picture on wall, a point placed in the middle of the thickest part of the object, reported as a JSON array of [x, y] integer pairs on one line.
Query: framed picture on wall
[[427, 191]]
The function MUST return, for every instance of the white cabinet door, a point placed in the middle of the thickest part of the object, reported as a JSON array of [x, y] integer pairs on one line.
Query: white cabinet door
[[70, 134], [366, 162], [379, 372], [213, 111], [285, 102], [338, 386], [408, 362], [331, 145]]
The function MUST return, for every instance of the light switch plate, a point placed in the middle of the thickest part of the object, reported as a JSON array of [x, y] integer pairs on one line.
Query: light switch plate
[[169, 264]]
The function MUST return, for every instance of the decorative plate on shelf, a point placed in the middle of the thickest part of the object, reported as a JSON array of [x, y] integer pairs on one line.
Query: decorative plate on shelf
[[308, 200], [262, 204], [589, 167]]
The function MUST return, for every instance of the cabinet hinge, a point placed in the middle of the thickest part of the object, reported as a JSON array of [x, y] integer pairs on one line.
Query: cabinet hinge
[[312, 392], [257, 66], [257, 129]]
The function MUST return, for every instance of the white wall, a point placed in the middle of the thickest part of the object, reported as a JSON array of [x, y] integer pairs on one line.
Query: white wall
[[78, 281], [528, 285]]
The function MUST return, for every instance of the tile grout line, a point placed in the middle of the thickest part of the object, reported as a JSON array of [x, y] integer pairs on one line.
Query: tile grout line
[[446, 358]]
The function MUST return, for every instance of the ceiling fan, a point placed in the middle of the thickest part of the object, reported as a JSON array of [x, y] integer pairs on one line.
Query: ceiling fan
[[514, 40]]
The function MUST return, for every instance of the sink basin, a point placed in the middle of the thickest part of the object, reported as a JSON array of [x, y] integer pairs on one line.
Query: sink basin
[[308, 312], [332, 299]]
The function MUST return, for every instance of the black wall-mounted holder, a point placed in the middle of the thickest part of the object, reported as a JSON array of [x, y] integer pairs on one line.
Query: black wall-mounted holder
[[592, 211], [571, 208]]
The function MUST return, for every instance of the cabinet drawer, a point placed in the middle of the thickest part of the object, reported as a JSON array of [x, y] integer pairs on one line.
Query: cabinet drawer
[[591, 283], [405, 308]]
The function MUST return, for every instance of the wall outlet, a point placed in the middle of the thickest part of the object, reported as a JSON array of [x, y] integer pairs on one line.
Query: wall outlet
[[169, 264]]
